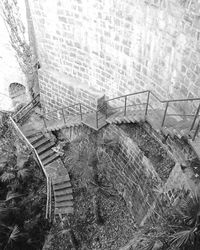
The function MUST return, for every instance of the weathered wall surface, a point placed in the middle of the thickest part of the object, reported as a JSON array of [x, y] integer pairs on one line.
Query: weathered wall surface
[[141, 181], [11, 71], [132, 174], [118, 47]]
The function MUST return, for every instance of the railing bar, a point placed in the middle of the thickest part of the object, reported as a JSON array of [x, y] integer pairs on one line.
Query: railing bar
[[63, 116], [182, 100], [122, 96], [181, 115], [47, 202], [146, 110], [163, 121], [131, 105], [196, 131], [81, 112], [30, 145], [195, 118], [50, 198], [155, 96], [125, 105], [97, 119], [26, 112], [162, 101], [26, 105]]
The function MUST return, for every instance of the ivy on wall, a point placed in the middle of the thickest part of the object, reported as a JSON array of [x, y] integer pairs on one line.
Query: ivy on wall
[[24, 53]]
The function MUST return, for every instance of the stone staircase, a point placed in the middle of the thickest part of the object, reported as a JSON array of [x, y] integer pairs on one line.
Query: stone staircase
[[63, 195], [173, 126], [55, 169], [169, 125]]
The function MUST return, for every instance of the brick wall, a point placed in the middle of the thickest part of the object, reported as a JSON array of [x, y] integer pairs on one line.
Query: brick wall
[[138, 178], [133, 174], [117, 47]]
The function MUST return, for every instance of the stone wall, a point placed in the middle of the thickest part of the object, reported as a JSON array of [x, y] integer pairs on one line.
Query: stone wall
[[116, 47], [144, 184], [132, 174]]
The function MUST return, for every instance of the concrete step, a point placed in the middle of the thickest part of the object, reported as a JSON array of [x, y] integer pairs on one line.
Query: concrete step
[[60, 179], [36, 138], [62, 210], [46, 154], [40, 142], [64, 203], [126, 119], [62, 185], [50, 159], [66, 197], [63, 192], [45, 147]]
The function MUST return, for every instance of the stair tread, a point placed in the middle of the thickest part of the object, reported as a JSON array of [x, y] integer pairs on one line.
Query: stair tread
[[132, 119], [45, 154], [40, 142], [60, 186], [126, 119], [68, 210], [50, 159], [64, 203], [63, 192], [45, 147], [35, 138], [60, 179], [66, 197]]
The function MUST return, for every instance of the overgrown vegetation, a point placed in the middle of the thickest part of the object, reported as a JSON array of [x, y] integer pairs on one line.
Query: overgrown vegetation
[[176, 224], [101, 219], [22, 196]]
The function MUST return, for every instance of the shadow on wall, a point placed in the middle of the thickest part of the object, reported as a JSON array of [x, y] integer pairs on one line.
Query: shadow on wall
[[17, 93]]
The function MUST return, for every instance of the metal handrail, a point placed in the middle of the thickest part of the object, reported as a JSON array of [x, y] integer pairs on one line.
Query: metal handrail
[[151, 92], [23, 108], [167, 102], [119, 97], [37, 158], [125, 106]]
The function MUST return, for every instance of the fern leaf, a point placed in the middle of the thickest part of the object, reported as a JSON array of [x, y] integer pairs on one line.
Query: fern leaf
[[7, 177]]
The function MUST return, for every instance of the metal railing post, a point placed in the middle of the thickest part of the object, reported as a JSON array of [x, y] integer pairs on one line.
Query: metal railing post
[[196, 131], [63, 116], [163, 121], [106, 110], [195, 118], [125, 105], [45, 124], [81, 112], [146, 111], [97, 118]]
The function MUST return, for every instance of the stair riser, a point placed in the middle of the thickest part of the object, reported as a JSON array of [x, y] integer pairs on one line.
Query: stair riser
[[64, 204], [63, 192], [40, 144], [46, 154], [68, 197], [44, 149], [62, 186], [69, 210], [50, 159], [36, 139]]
